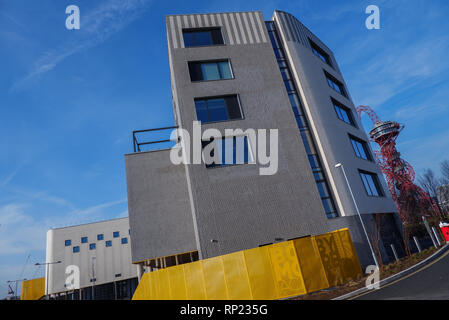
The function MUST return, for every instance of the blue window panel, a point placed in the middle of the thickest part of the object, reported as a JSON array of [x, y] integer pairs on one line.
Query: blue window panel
[[92, 246], [201, 111], [328, 205], [360, 149], [76, 249], [203, 38], [100, 236], [68, 243], [84, 240], [217, 109], [294, 100], [289, 85], [370, 185], [116, 234], [233, 150], [108, 243], [322, 189], [189, 40], [313, 161], [225, 70], [124, 240], [210, 71]]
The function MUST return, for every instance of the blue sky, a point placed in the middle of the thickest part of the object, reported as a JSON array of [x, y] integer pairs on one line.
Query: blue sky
[[69, 100]]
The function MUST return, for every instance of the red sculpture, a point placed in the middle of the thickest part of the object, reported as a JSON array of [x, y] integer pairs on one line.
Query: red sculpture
[[411, 201]]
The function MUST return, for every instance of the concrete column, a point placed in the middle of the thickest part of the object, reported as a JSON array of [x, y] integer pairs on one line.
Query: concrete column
[[140, 271]]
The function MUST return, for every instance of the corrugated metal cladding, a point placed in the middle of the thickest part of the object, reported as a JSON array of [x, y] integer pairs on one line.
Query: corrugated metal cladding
[[239, 27], [293, 29]]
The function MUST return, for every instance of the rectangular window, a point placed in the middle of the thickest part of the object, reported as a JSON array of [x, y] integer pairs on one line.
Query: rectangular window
[[230, 151], [343, 112], [76, 249], [68, 243], [124, 240], [335, 84], [371, 183], [202, 37], [360, 148], [84, 240], [100, 236], [92, 246], [108, 243], [218, 109], [116, 234], [210, 70], [320, 53]]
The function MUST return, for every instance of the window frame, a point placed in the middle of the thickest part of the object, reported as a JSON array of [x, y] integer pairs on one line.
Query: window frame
[[67, 243], [84, 239], [376, 182], [100, 236], [116, 234], [231, 70], [204, 29], [337, 82], [124, 240], [364, 146], [216, 97], [320, 52], [337, 104], [92, 246], [221, 165], [108, 243], [76, 249]]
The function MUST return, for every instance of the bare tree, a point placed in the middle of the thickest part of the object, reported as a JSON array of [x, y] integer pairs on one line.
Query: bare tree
[[429, 182], [445, 171]]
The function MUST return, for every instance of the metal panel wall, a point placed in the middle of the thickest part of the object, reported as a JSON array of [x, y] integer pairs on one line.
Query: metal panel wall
[[274, 271], [238, 27]]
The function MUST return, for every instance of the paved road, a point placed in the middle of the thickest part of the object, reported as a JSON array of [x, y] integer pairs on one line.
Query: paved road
[[430, 282]]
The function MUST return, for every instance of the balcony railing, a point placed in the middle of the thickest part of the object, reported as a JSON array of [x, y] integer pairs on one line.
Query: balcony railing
[[137, 144]]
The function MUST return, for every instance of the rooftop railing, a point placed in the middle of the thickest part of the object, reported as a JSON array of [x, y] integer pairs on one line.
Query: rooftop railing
[[137, 144]]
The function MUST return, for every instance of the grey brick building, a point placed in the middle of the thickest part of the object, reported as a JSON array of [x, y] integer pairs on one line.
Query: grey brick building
[[238, 71]]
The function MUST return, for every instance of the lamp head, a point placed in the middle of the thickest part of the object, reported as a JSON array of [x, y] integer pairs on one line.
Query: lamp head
[[338, 165]]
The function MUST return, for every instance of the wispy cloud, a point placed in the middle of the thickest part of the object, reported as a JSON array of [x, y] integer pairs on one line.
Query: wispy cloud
[[96, 26]]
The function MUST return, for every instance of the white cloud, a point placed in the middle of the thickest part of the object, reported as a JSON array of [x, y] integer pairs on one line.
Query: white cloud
[[96, 27]]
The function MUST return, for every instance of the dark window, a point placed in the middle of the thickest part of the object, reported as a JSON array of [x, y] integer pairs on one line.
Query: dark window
[[116, 234], [210, 70], [335, 84], [202, 37], [100, 236], [320, 53], [218, 109], [232, 150], [360, 148], [108, 243], [84, 240], [343, 112], [92, 246], [124, 240], [68, 243], [371, 183], [76, 249], [118, 275]]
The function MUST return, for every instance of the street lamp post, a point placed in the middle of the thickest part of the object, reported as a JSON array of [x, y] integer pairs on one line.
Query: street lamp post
[[339, 165], [47, 267]]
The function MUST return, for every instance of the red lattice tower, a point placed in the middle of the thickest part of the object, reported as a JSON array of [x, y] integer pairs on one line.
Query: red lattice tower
[[411, 201]]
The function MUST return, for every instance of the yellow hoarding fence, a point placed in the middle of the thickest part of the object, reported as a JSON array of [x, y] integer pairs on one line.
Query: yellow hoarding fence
[[274, 271], [33, 289]]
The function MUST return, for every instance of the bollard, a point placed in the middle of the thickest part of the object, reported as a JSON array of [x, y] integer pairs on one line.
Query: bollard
[[394, 252], [436, 236], [417, 243], [426, 224]]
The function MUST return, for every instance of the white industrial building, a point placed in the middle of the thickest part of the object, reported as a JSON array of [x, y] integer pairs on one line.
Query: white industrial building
[[101, 251]]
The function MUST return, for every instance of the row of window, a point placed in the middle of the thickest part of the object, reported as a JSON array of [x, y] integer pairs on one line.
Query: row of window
[[115, 234], [93, 246], [361, 149], [298, 110]]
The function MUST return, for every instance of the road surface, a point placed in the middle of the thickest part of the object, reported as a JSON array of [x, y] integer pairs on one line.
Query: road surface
[[430, 282]]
